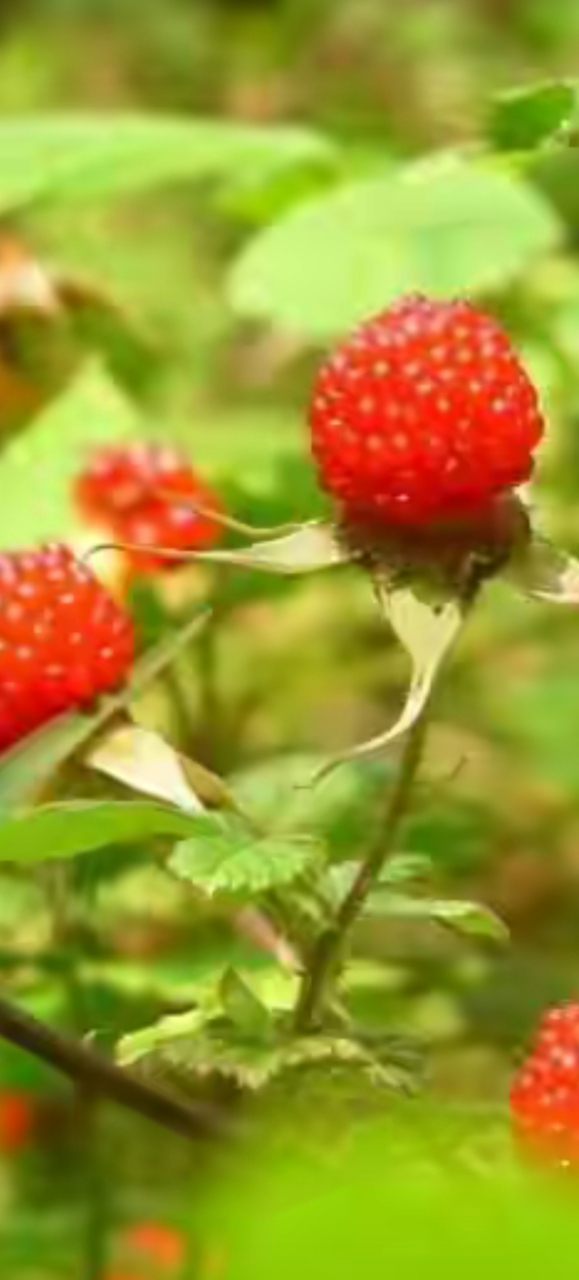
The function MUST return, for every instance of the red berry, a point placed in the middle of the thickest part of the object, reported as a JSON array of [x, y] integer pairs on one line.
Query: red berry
[[147, 495], [545, 1092], [63, 639], [161, 1244], [16, 1120], [424, 414]]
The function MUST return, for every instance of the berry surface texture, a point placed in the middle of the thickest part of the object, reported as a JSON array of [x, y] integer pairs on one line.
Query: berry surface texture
[[425, 414], [545, 1092], [63, 639], [148, 496]]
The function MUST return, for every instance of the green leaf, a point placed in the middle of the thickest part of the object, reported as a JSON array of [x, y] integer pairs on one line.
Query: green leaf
[[258, 199], [245, 996], [25, 769], [206, 1047], [522, 118], [64, 830], [167, 1032], [439, 228], [469, 918], [254, 1065], [89, 157], [223, 857]]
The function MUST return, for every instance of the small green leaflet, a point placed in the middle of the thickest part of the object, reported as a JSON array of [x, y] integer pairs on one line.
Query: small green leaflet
[[243, 1008], [224, 857], [192, 1044], [524, 117], [469, 918], [398, 870], [252, 994]]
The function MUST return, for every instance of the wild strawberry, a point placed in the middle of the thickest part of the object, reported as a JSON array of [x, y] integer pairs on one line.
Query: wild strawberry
[[16, 1120], [545, 1093], [158, 1243], [63, 639], [423, 415], [146, 494]]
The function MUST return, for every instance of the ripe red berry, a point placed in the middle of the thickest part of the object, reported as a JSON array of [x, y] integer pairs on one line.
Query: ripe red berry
[[16, 1120], [63, 639], [159, 1243], [545, 1092], [146, 494], [424, 414]]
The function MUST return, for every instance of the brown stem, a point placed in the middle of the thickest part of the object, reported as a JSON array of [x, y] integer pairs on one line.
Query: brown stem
[[87, 1067], [327, 951]]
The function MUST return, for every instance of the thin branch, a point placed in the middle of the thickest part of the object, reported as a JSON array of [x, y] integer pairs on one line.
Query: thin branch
[[329, 946], [90, 1069]]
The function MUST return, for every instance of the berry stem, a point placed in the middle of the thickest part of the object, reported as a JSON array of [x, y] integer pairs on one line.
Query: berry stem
[[328, 949]]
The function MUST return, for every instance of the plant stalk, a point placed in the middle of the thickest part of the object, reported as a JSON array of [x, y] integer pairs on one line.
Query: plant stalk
[[327, 951], [88, 1068]]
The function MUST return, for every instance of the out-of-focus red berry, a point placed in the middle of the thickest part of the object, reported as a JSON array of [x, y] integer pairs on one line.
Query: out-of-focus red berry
[[149, 496], [63, 639], [16, 1121], [157, 1243], [544, 1098]]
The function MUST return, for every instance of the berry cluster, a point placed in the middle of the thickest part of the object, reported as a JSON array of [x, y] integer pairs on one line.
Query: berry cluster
[[545, 1093], [423, 415], [148, 496], [63, 639]]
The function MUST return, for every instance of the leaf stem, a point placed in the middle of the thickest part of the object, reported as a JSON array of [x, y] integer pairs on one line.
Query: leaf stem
[[326, 953]]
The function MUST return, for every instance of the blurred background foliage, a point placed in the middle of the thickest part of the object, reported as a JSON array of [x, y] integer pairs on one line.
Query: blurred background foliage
[[224, 293]]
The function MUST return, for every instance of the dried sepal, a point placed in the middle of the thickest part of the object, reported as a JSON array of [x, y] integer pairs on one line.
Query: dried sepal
[[444, 559], [543, 572], [306, 549], [427, 632], [140, 759]]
